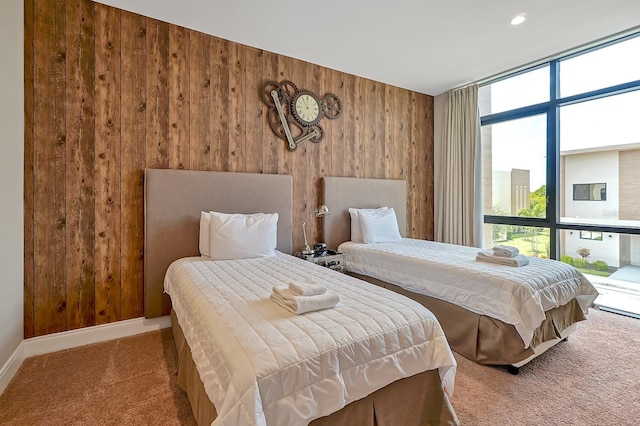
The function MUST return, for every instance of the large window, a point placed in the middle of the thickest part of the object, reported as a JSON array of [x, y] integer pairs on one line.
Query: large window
[[529, 240], [600, 68], [515, 166], [561, 156], [529, 88]]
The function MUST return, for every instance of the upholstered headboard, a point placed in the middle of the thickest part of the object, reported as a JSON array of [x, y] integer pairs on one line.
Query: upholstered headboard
[[172, 205], [341, 193]]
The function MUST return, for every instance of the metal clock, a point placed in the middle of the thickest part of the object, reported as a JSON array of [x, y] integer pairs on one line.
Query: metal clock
[[294, 115]]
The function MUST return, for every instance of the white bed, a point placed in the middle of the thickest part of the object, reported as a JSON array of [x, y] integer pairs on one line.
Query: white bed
[[519, 296], [376, 358], [261, 364], [491, 314]]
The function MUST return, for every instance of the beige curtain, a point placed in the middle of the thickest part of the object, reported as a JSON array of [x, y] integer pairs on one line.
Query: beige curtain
[[458, 169]]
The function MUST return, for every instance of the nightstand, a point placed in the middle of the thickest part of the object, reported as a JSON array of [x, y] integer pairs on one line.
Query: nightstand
[[331, 261]]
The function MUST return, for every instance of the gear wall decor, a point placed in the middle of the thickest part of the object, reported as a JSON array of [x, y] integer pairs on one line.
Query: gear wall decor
[[294, 115]]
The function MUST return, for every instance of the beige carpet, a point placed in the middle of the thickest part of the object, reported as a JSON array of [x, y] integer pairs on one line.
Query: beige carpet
[[127, 381], [593, 379]]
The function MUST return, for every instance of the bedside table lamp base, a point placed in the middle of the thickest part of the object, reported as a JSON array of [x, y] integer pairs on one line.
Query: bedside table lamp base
[[321, 211], [306, 250]]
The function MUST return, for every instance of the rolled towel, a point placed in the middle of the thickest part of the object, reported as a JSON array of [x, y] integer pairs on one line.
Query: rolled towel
[[301, 304], [307, 288], [488, 256], [505, 251]]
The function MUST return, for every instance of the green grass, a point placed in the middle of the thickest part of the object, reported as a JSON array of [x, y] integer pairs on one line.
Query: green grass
[[524, 243], [594, 272]]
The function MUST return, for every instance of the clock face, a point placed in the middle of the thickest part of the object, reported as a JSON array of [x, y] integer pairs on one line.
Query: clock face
[[307, 109]]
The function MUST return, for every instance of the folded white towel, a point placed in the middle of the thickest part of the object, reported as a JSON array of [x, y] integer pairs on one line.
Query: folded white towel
[[307, 288], [301, 304], [488, 256], [505, 251]]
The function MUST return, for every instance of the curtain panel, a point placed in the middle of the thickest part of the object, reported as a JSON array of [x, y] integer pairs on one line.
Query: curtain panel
[[458, 189]]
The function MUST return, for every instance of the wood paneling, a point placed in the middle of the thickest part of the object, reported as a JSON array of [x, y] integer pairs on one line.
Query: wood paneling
[[271, 146], [108, 168], [133, 160], [157, 94], [220, 94], [80, 154], [235, 112], [200, 102], [179, 138], [48, 214], [28, 189], [108, 93], [253, 111]]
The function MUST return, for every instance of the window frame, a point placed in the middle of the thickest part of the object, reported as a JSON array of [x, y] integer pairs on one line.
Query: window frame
[[552, 111], [575, 191], [589, 235]]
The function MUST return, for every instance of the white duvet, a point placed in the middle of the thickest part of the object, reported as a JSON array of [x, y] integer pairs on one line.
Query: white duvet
[[261, 364], [514, 295]]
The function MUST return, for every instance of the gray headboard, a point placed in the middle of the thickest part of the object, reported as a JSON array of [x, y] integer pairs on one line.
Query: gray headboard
[[172, 205], [341, 193]]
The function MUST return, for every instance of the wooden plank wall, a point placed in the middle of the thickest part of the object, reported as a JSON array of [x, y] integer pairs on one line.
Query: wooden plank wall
[[108, 93]]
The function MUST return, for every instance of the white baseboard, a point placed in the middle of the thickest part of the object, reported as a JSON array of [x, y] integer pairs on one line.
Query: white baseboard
[[10, 368], [74, 338]]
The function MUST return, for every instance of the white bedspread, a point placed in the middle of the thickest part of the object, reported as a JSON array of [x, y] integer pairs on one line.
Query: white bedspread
[[261, 364], [514, 295]]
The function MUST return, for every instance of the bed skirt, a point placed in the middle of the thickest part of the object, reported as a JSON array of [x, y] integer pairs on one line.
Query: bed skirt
[[415, 400], [483, 339]]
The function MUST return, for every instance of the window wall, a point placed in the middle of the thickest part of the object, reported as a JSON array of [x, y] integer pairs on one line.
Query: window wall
[[561, 158]]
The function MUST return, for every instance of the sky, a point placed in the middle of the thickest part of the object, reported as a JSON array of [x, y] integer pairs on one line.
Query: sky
[[607, 121]]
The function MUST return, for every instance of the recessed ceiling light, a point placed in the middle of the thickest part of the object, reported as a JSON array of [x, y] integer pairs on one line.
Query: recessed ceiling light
[[519, 19]]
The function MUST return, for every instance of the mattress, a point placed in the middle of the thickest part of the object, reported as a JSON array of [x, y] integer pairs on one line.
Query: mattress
[[262, 365], [519, 296]]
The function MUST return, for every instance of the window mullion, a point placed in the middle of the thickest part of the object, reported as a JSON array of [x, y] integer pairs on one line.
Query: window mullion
[[553, 157]]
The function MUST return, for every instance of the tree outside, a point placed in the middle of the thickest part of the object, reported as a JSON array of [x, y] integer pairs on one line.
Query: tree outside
[[535, 241], [531, 241], [538, 237]]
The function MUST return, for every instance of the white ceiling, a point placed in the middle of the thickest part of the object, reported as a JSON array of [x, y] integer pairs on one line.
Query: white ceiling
[[429, 46]]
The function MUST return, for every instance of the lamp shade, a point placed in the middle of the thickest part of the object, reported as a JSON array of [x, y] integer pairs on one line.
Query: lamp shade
[[322, 211]]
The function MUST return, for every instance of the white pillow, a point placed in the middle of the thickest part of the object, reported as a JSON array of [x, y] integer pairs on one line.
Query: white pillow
[[379, 227], [242, 236], [205, 220], [356, 228]]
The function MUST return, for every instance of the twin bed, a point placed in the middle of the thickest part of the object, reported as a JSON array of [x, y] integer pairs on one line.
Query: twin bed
[[491, 314], [375, 358]]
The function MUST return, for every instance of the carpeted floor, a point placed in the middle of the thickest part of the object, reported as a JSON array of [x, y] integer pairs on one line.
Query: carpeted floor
[[126, 381], [593, 379]]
